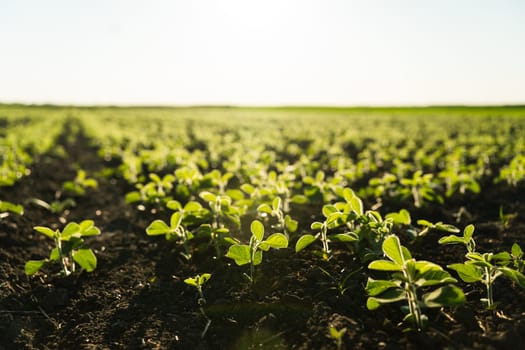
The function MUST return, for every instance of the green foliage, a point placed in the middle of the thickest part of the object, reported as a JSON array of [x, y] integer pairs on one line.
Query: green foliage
[[514, 172], [285, 222], [157, 191], [337, 336], [421, 188], [80, 184], [485, 268], [57, 206], [69, 248], [252, 253], [339, 216], [198, 282], [8, 207], [407, 278], [506, 218]]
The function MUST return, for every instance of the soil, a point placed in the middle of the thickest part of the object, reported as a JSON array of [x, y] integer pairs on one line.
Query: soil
[[136, 298]]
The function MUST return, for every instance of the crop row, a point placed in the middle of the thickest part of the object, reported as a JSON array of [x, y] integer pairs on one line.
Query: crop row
[[248, 184]]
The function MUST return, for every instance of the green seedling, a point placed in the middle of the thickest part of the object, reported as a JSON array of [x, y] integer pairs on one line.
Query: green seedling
[[459, 182], [513, 173], [198, 282], [421, 188], [218, 180], [334, 218], [403, 220], [485, 267], [154, 192], [337, 336], [285, 221], [69, 248], [178, 227], [319, 188], [8, 207], [79, 186], [408, 277], [56, 206], [222, 209], [506, 219], [252, 253], [189, 179], [517, 257], [439, 226]]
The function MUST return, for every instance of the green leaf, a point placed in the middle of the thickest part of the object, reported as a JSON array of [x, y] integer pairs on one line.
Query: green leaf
[[276, 203], [502, 257], [482, 260], [372, 303], [265, 208], [332, 220], [337, 334], [328, 210], [392, 249], [291, 224], [257, 229], [240, 253], [174, 205], [389, 296], [299, 199], [452, 239], [425, 223], [257, 258], [385, 265], [467, 272], [376, 287], [344, 237], [357, 205], [446, 227], [400, 218], [348, 194], [157, 227], [514, 275], [88, 228], [191, 281], [86, 259], [54, 255], [192, 207], [264, 246], [303, 242], [277, 241], [433, 276], [468, 232], [45, 231], [14, 208], [71, 230], [33, 266], [208, 196], [444, 296], [175, 220], [516, 251], [204, 278], [133, 197], [248, 188], [316, 225]]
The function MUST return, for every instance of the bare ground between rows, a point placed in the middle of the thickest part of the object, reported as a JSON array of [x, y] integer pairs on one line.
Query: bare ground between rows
[[136, 299]]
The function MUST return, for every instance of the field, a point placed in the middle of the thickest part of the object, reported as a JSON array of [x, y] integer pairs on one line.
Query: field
[[320, 228]]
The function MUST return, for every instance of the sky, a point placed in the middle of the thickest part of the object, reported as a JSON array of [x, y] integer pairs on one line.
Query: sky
[[268, 52]]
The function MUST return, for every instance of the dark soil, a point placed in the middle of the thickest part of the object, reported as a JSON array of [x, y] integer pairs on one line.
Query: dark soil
[[136, 298]]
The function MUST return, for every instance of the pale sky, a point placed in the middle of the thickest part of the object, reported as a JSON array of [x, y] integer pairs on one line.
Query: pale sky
[[268, 52]]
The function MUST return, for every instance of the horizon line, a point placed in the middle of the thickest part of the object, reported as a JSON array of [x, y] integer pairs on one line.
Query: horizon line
[[276, 106]]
